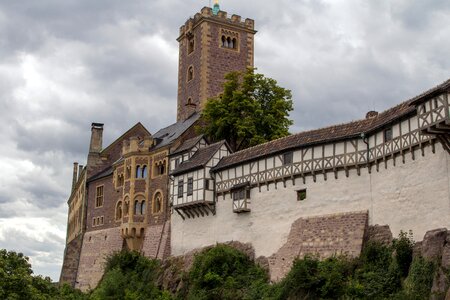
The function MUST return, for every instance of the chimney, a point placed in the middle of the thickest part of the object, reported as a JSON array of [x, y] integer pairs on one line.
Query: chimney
[[371, 114], [74, 175], [80, 169], [96, 138]]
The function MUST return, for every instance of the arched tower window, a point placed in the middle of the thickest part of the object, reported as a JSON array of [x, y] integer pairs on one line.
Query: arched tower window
[[143, 207], [190, 74], [144, 171], [138, 171], [234, 43], [136, 207]]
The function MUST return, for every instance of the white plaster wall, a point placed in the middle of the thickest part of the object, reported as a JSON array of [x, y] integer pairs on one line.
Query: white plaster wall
[[414, 195]]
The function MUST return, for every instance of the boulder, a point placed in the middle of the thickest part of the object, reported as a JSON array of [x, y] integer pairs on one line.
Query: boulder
[[379, 233], [433, 243]]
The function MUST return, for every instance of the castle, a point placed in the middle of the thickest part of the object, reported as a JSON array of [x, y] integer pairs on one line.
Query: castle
[[170, 192]]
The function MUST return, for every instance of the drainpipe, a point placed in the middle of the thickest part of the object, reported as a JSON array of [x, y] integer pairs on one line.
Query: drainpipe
[[366, 141]]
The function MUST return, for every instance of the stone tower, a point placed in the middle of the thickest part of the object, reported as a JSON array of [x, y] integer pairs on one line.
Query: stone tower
[[210, 45]]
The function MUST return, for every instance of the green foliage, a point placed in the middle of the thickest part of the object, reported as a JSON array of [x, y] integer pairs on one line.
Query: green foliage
[[378, 275], [130, 276], [403, 247], [17, 281], [420, 278], [310, 278], [252, 110], [223, 272]]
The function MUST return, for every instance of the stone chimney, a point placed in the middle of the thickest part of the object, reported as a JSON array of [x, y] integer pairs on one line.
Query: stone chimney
[[96, 137], [371, 114], [95, 147], [74, 175], [80, 169]]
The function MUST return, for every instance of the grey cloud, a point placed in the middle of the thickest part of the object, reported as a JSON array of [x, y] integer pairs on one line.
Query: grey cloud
[[115, 62]]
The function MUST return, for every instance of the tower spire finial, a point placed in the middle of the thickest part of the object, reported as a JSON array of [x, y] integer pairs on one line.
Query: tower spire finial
[[216, 7]]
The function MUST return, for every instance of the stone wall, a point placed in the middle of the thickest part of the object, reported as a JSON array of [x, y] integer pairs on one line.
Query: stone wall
[[157, 241], [97, 245], [322, 236], [71, 261]]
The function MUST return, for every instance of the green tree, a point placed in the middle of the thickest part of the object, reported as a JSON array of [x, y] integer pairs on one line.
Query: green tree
[[252, 110]]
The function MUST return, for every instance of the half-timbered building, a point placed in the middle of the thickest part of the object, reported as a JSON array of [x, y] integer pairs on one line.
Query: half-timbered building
[[394, 165]]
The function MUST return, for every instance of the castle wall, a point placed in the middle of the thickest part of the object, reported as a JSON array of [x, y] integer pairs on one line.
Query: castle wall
[[413, 195], [97, 245], [105, 214]]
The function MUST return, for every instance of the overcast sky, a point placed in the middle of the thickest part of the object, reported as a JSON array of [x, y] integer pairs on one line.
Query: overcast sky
[[65, 64]]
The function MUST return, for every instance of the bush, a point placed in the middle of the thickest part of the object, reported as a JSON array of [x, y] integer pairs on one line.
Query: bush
[[420, 278], [403, 247], [223, 272], [310, 278], [130, 276]]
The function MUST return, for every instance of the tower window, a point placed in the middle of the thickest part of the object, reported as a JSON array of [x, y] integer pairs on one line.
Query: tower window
[[157, 202], [191, 45], [229, 40], [190, 74], [138, 172], [144, 171]]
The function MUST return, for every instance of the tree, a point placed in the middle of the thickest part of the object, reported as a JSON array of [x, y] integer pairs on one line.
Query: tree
[[252, 110]]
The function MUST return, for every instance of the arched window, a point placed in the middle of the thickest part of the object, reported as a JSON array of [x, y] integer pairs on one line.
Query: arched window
[[136, 207], [119, 210], [138, 172], [234, 43], [231, 43], [143, 207], [157, 202], [190, 75], [224, 40], [144, 171]]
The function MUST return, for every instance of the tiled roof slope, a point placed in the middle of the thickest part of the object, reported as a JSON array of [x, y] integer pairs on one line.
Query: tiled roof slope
[[105, 173], [172, 132], [328, 134], [199, 159], [445, 86], [188, 144]]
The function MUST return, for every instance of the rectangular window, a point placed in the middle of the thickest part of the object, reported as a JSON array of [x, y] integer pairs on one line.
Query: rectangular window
[[288, 158], [180, 188], [301, 195], [99, 196], [177, 162], [241, 194], [206, 184], [388, 134], [190, 186]]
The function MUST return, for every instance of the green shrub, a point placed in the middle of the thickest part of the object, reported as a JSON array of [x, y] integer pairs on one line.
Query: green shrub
[[420, 278], [223, 272], [130, 276], [310, 278], [403, 247]]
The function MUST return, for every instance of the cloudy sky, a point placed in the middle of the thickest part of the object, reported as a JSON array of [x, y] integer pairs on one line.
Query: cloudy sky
[[65, 64]]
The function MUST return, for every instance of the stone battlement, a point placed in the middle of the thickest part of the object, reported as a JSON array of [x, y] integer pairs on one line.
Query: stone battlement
[[222, 16]]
